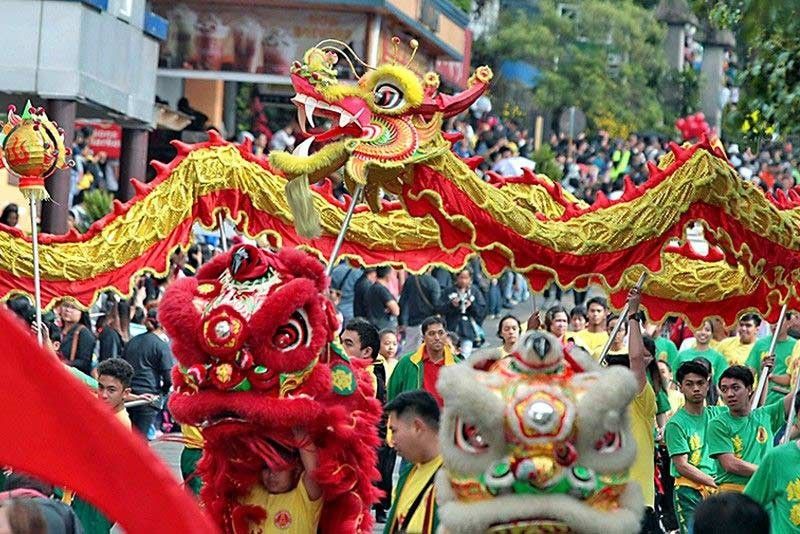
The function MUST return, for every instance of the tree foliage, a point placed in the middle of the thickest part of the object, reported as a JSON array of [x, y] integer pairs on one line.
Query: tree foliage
[[607, 60], [767, 34]]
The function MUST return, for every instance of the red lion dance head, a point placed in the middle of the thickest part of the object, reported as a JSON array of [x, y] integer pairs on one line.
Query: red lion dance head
[[252, 334]]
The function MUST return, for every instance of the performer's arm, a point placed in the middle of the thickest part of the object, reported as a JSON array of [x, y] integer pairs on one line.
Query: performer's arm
[[686, 469], [308, 457], [635, 343], [736, 466]]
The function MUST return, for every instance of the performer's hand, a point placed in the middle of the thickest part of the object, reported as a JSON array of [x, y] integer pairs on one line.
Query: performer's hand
[[534, 321], [768, 362], [634, 299]]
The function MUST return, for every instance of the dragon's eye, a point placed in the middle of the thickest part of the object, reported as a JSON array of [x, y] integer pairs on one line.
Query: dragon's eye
[[469, 439], [292, 334], [387, 96]]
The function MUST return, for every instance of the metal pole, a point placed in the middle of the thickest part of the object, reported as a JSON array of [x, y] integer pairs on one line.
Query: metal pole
[[792, 413], [223, 239], [622, 317], [37, 289], [340, 238], [762, 380]]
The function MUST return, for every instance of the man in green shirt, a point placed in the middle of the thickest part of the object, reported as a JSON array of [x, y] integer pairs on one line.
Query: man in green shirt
[[667, 351], [779, 376], [740, 438], [776, 485], [685, 435]]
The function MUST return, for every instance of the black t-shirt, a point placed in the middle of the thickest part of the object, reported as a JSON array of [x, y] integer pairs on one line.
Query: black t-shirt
[[152, 362], [360, 296], [84, 348], [378, 296]]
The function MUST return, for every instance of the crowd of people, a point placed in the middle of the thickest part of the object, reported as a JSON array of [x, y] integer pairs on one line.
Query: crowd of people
[[706, 453], [696, 432]]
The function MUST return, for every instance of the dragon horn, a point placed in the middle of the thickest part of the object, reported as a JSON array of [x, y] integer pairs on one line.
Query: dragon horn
[[451, 105]]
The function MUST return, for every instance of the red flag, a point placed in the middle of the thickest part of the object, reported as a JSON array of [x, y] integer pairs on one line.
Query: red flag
[[56, 430]]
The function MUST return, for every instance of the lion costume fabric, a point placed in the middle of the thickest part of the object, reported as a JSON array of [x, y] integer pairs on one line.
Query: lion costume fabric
[[537, 443], [252, 335]]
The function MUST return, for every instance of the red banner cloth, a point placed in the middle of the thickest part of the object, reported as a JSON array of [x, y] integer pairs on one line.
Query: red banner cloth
[[56, 430]]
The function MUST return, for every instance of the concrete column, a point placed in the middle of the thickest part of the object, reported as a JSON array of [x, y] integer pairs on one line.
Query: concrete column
[[54, 213], [712, 83], [715, 42], [132, 161], [676, 14], [374, 39], [673, 46], [229, 108]]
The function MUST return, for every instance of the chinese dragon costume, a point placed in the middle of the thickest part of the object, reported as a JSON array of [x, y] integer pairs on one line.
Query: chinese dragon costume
[[549, 447], [537, 442], [386, 135], [252, 336]]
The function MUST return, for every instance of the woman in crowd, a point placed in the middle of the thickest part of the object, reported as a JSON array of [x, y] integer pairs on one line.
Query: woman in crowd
[[109, 332], [10, 216], [556, 322], [703, 336], [578, 318], [508, 330], [388, 350]]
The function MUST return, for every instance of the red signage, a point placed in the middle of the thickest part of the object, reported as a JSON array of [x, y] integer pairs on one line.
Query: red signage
[[106, 137]]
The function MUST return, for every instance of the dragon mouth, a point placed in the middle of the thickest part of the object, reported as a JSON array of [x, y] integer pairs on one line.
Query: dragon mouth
[[324, 122], [223, 418]]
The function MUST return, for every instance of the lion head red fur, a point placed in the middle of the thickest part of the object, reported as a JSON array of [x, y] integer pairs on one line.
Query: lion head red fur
[[252, 335]]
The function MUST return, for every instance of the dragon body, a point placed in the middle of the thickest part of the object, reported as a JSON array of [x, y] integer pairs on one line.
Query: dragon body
[[385, 136]]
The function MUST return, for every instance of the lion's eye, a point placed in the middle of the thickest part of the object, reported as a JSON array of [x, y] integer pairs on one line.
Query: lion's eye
[[469, 439], [610, 442], [292, 334], [387, 96]]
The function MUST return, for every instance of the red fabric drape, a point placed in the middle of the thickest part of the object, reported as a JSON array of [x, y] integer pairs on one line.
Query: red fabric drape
[[55, 429]]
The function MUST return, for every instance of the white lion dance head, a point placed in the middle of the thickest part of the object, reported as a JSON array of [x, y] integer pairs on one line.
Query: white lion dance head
[[534, 444]]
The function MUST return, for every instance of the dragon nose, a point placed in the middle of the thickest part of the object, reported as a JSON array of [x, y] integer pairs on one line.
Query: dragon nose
[[538, 344]]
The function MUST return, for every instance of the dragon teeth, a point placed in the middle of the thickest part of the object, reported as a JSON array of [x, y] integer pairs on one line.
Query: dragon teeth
[[309, 106], [302, 148], [344, 119]]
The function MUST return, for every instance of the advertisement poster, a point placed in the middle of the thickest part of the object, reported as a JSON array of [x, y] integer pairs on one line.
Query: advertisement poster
[[218, 37], [106, 137]]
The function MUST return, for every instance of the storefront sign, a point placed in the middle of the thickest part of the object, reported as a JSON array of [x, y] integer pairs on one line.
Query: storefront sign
[[253, 40]]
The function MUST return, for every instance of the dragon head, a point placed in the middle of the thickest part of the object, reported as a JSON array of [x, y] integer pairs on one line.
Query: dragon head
[[530, 445], [378, 128]]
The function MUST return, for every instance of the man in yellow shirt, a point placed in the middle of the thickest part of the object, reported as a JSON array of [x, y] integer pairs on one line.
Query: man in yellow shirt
[[737, 349], [414, 423], [288, 495], [595, 335], [642, 413]]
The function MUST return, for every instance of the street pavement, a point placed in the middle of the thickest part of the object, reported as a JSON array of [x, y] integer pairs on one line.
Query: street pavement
[[170, 452]]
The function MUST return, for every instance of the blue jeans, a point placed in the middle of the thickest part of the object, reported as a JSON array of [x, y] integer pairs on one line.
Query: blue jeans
[[514, 287], [494, 299]]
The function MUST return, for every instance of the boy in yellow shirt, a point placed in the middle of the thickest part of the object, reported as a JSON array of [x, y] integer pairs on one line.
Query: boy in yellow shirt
[[289, 496]]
